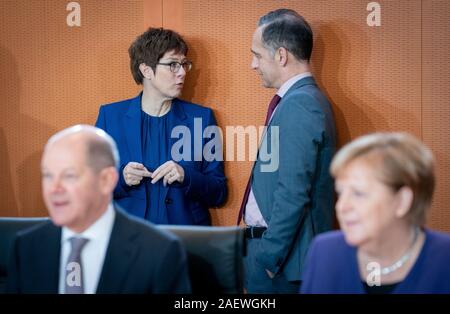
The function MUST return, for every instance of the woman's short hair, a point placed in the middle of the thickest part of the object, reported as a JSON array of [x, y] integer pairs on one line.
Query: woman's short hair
[[151, 46], [398, 160]]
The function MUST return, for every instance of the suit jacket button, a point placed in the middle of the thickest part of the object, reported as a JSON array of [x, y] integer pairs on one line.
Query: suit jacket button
[[168, 200]]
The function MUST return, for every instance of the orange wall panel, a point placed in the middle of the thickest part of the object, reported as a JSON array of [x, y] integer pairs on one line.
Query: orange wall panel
[[436, 102], [152, 13], [54, 76], [392, 77]]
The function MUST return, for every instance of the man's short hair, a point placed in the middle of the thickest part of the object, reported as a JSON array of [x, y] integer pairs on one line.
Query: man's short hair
[[286, 28], [101, 149], [151, 46], [100, 154]]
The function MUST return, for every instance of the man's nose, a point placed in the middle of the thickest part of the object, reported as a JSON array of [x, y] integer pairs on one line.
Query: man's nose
[[254, 64], [56, 185]]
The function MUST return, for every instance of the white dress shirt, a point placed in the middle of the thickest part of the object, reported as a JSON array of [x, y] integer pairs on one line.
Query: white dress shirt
[[92, 254], [253, 216]]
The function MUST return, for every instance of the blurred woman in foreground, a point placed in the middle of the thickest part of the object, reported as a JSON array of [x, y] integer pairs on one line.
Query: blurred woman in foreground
[[384, 183]]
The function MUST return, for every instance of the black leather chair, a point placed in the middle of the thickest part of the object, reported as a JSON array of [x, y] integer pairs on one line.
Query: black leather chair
[[215, 257], [8, 228], [214, 254]]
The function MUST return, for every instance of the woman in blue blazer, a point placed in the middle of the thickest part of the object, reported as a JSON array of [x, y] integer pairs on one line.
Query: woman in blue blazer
[[385, 183], [170, 150]]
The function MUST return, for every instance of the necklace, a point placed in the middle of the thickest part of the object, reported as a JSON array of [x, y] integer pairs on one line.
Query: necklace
[[402, 260]]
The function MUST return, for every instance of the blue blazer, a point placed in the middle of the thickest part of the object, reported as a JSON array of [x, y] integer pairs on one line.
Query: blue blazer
[[296, 200], [204, 184], [332, 267]]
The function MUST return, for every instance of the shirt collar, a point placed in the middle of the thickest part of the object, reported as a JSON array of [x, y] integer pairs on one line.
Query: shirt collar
[[97, 230], [288, 84]]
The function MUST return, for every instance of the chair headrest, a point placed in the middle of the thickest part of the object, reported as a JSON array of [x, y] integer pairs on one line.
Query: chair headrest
[[9, 226]]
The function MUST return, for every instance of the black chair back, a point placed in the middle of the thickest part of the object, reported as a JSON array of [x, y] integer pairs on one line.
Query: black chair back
[[214, 253], [215, 257], [9, 226]]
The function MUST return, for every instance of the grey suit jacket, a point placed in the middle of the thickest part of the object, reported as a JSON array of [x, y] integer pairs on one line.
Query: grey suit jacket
[[296, 199]]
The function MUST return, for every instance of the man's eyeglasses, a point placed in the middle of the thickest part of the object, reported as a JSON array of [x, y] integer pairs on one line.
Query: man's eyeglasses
[[175, 66]]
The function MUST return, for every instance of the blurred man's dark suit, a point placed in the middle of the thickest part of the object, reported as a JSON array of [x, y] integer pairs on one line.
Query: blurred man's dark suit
[[139, 259]]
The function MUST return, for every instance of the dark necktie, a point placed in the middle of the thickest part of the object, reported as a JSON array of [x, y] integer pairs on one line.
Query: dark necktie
[[273, 104], [74, 269]]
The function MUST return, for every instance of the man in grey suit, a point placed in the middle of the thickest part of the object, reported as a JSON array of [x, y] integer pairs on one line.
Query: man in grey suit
[[285, 207]]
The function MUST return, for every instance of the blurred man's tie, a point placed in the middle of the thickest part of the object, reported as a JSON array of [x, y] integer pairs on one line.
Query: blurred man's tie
[[74, 267]]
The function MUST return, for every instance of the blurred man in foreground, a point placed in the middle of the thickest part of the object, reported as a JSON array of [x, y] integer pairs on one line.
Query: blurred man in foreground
[[90, 246]]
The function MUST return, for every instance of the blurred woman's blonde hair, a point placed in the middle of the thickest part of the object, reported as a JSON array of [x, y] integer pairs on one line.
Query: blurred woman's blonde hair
[[398, 160]]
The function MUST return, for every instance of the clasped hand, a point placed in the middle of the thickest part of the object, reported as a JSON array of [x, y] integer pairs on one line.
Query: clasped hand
[[170, 172]]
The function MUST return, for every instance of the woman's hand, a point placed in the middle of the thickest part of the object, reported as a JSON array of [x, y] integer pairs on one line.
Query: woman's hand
[[170, 171], [134, 172]]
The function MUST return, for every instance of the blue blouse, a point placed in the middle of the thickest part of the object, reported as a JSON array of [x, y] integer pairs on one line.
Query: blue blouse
[[204, 184], [155, 134]]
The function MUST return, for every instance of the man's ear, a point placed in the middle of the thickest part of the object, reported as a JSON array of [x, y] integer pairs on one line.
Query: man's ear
[[281, 56], [108, 180], [405, 199], [146, 71]]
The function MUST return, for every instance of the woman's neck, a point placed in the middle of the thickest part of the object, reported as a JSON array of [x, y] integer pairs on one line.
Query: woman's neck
[[153, 105], [389, 244], [402, 244]]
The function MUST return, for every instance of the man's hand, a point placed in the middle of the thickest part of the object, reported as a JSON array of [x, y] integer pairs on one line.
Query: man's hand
[[134, 172], [170, 171]]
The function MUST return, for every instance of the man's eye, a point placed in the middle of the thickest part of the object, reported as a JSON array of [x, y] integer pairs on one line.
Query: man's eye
[[70, 176], [359, 193]]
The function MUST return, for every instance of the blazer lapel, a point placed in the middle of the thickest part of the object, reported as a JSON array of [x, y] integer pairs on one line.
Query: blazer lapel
[[132, 129], [47, 261], [121, 253], [176, 119], [309, 80], [299, 84]]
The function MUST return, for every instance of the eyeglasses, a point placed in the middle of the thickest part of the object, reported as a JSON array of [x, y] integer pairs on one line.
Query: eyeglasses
[[175, 66]]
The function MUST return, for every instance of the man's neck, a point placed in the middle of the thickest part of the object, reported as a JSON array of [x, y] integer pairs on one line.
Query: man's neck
[[80, 228], [293, 70]]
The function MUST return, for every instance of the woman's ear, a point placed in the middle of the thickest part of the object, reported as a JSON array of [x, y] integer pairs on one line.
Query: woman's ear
[[146, 71], [405, 199]]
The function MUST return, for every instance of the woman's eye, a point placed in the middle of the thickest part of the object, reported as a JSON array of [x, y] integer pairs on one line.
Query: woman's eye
[[46, 176]]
